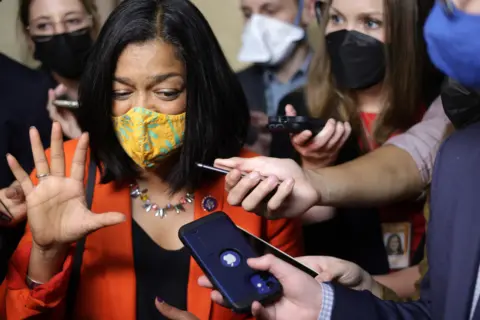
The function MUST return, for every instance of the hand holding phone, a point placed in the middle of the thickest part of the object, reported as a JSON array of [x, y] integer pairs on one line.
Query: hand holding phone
[[221, 251]]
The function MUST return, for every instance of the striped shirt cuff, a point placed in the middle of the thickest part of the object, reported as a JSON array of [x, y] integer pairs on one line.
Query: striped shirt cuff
[[327, 302]]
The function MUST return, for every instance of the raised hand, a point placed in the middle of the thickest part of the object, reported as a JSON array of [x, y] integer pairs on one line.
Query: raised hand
[[322, 150], [56, 208]]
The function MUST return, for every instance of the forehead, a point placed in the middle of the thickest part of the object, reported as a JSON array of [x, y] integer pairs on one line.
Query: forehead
[[149, 58], [51, 8], [261, 3], [358, 6]]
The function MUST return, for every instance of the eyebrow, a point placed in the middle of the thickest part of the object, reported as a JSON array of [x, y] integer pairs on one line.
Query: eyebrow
[[371, 12], [155, 79], [49, 18]]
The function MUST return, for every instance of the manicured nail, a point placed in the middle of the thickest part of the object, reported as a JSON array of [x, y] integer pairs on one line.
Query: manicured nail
[[159, 300]]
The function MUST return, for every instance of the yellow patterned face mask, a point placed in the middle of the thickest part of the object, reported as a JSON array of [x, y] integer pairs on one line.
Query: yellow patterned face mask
[[147, 136]]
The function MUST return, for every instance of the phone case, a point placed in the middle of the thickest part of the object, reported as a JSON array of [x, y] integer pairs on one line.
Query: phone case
[[221, 251]]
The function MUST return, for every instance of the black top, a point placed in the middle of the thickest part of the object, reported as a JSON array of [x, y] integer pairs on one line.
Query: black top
[[354, 234], [160, 273], [23, 102]]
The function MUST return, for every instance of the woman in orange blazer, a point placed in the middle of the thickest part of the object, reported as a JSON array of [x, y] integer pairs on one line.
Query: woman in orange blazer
[[157, 97]]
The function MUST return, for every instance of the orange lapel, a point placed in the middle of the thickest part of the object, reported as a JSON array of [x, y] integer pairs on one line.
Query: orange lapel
[[117, 253], [198, 298]]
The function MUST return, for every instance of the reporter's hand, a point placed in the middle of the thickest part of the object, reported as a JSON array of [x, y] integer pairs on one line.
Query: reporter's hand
[[295, 194], [56, 207], [344, 272], [63, 116], [322, 150], [16, 208], [173, 313], [302, 295]]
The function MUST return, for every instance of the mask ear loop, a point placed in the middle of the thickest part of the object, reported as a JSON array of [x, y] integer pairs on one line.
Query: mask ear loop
[[301, 6]]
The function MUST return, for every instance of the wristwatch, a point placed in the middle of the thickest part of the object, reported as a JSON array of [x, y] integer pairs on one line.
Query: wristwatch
[[32, 284]]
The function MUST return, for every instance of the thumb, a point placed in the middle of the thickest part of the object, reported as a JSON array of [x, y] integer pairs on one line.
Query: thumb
[[242, 164], [102, 220], [290, 111], [171, 312], [279, 268]]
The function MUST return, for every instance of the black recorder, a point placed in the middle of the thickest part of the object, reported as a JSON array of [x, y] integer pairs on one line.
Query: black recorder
[[294, 124]]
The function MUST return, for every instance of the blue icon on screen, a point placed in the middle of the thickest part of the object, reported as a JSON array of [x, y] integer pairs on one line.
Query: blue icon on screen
[[230, 258]]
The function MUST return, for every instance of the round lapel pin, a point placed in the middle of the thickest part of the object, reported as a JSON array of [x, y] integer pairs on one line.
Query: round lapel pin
[[209, 203]]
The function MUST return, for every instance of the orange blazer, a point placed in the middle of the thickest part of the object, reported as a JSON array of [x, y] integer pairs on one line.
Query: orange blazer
[[107, 283]]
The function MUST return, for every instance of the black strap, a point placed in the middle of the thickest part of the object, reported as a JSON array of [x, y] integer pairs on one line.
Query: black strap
[[78, 256]]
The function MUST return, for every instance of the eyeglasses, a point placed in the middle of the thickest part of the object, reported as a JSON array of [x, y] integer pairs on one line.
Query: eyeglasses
[[46, 29]]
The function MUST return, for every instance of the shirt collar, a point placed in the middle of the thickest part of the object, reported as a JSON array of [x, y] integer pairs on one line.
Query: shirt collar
[[269, 75]]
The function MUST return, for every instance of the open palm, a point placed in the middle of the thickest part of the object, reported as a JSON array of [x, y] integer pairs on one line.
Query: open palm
[[56, 207]]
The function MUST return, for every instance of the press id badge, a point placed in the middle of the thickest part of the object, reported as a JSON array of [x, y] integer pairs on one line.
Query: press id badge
[[397, 241]]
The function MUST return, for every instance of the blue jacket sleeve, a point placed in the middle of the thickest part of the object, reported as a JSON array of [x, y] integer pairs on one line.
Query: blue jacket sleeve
[[363, 305]]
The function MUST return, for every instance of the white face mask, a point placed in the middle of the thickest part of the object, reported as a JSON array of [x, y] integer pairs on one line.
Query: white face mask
[[268, 40]]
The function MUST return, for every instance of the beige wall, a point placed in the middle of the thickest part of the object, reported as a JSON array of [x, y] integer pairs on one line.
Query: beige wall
[[223, 15]]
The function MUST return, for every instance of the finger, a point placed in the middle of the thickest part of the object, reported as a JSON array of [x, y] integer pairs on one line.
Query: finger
[[322, 138], [346, 134], [324, 277], [242, 164], [170, 312], [302, 138], [20, 175], [284, 190], [15, 192], [79, 158], [243, 187], [39, 157], [232, 179], [279, 268], [60, 90], [218, 298], [260, 193], [50, 107], [260, 312], [204, 282], [57, 154], [336, 137], [290, 111], [92, 222]]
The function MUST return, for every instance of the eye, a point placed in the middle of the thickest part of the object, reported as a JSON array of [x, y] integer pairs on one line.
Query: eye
[[336, 19], [167, 95], [121, 95], [372, 23], [74, 21]]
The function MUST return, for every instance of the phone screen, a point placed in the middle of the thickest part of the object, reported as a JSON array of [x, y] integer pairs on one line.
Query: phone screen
[[262, 247]]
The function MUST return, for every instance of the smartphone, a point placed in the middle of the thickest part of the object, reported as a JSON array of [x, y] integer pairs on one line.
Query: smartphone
[[221, 250], [295, 124], [225, 172], [70, 104]]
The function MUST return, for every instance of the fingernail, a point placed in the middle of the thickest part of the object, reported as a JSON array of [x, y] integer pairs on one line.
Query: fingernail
[[159, 300]]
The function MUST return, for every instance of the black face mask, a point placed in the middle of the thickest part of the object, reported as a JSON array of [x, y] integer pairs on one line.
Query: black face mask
[[357, 60], [461, 105], [65, 53]]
